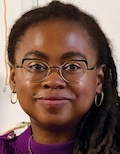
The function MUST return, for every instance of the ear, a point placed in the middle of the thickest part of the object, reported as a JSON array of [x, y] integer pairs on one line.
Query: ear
[[100, 78], [12, 78]]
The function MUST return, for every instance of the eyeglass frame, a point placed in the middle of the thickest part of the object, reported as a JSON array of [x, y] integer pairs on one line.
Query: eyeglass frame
[[57, 67]]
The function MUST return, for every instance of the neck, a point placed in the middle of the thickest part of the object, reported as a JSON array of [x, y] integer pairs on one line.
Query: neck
[[51, 135]]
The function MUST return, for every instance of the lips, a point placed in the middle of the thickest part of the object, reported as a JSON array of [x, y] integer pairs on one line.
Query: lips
[[53, 102]]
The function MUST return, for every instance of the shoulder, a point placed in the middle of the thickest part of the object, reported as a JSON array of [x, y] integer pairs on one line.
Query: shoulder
[[7, 142], [9, 137], [14, 143], [14, 133]]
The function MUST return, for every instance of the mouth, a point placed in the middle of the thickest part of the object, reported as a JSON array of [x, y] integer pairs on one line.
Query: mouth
[[53, 102]]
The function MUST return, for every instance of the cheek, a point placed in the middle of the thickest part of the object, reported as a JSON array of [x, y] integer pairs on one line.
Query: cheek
[[24, 89], [25, 95], [85, 93]]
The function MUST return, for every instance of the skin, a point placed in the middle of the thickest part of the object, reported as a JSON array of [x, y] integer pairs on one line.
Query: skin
[[67, 103]]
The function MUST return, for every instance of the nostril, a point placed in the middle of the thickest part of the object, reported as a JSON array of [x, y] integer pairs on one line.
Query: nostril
[[53, 87], [46, 86], [53, 81]]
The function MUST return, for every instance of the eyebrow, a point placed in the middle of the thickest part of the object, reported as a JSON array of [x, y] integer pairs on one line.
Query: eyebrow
[[71, 54], [36, 53], [65, 56]]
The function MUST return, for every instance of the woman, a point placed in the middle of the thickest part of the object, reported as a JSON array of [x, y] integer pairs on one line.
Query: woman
[[63, 73]]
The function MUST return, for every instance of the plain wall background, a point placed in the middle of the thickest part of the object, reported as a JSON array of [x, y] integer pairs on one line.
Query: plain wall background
[[107, 13]]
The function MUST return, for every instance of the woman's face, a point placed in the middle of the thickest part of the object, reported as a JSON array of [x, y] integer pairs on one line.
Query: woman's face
[[55, 102]]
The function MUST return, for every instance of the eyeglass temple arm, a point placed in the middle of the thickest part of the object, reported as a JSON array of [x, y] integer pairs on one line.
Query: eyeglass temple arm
[[92, 68], [18, 66]]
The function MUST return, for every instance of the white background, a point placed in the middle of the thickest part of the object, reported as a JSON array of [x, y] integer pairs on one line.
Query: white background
[[107, 13]]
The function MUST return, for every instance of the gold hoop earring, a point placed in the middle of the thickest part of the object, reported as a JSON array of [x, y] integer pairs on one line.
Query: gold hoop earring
[[11, 97], [98, 103]]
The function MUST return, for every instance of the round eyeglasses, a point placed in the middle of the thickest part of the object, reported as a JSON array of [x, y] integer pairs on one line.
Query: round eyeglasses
[[71, 71]]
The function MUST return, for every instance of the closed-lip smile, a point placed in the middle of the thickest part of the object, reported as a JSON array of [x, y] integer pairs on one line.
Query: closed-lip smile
[[53, 102]]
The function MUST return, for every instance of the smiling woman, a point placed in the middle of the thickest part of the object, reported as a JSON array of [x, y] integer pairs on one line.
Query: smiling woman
[[65, 79]]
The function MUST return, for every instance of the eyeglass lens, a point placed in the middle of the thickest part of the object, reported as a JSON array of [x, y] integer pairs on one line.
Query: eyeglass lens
[[71, 71]]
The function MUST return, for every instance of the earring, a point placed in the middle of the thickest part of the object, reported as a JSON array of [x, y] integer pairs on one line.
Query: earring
[[11, 97], [98, 101]]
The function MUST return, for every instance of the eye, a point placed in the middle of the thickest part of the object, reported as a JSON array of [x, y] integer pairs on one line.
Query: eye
[[36, 66], [72, 67]]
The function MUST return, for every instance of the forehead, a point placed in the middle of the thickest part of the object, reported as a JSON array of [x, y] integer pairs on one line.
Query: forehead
[[55, 38]]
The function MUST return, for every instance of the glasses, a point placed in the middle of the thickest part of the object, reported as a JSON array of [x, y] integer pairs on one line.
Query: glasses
[[71, 71]]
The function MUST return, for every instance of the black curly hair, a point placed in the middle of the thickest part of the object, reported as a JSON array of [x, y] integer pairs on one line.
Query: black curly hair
[[98, 131]]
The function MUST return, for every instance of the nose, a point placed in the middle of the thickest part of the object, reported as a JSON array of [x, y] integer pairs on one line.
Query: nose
[[54, 81]]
